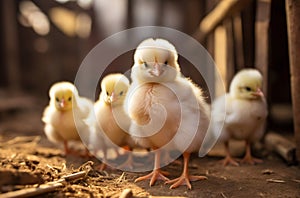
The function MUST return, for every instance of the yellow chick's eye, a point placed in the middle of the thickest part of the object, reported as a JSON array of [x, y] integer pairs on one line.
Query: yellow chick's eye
[[166, 62], [248, 88], [121, 93], [70, 98], [57, 99], [107, 93]]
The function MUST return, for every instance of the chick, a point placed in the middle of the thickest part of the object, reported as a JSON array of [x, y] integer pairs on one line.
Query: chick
[[111, 118], [246, 112], [167, 110], [64, 116]]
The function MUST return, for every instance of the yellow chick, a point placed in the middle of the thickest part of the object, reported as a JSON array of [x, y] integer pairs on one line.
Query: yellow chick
[[110, 115], [246, 112], [65, 115], [167, 110]]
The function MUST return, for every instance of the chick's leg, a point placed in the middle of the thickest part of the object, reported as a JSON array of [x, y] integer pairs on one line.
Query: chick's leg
[[128, 164], [248, 159], [156, 173], [66, 147], [228, 159], [185, 178]]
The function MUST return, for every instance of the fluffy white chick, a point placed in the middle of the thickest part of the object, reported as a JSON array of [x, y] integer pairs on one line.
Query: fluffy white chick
[[167, 109], [246, 111], [65, 115], [111, 117]]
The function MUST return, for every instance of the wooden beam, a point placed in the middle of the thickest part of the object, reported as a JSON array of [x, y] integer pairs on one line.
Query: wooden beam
[[223, 10], [263, 10], [293, 27]]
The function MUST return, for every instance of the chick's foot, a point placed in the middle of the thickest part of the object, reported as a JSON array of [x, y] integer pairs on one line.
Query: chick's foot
[[153, 176], [248, 159], [229, 160], [184, 180]]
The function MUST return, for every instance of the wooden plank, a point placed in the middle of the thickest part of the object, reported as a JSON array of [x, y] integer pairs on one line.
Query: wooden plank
[[223, 10], [230, 63], [129, 18], [248, 21], [262, 23], [238, 41], [210, 47], [11, 47], [220, 57], [293, 26]]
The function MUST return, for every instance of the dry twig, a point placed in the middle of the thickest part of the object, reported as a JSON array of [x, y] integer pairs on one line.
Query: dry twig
[[50, 186]]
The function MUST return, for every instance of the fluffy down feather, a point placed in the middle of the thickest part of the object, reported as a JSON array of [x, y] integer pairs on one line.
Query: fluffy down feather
[[246, 112], [167, 110], [65, 115]]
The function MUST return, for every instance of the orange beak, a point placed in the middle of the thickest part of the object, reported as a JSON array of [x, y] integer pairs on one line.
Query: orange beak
[[258, 93], [156, 71]]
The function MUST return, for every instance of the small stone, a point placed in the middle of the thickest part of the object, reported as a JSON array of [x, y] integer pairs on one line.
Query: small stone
[[127, 193]]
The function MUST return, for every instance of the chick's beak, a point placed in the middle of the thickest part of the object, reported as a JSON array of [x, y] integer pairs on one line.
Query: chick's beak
[[62, 103], [113, 97], [157, 70], [258, 93]]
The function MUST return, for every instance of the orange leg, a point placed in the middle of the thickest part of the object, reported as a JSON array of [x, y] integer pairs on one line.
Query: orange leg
[[248, 159], [228, 159], [103, 164], [128, 164], [185, 178], [156, 173], [167, 158], [67, 150]]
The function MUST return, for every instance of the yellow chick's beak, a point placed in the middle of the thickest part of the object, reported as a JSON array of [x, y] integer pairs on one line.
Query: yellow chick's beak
[[110, 99], [113, 97], [157, 70], [258, 93], [62, 103]]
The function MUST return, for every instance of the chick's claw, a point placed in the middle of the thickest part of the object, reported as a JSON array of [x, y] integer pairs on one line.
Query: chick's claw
[[153, 176], [184, 180], [251, 160], [229, 160]]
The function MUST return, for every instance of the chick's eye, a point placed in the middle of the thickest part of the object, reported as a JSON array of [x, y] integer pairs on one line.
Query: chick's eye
[[57, 99], [166, 62], [145, 64], [248, 88], [107, 93], [70, 98], [121, 93]]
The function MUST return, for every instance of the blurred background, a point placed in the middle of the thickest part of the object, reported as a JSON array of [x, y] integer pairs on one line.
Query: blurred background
[[45, 41]]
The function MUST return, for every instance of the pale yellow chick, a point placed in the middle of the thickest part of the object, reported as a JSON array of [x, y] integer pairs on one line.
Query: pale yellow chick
[[246, 112], [65, 115], [111, 118], [167, 110]]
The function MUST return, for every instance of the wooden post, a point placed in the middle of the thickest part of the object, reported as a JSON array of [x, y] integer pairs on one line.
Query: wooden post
[[238, 41], [293, 26], [220, 57], [230, 62], [263, 10], [129, 18], [11, 44], [209, 45]]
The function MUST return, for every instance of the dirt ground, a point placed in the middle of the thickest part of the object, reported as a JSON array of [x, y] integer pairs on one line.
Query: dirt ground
[[28, 160]]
